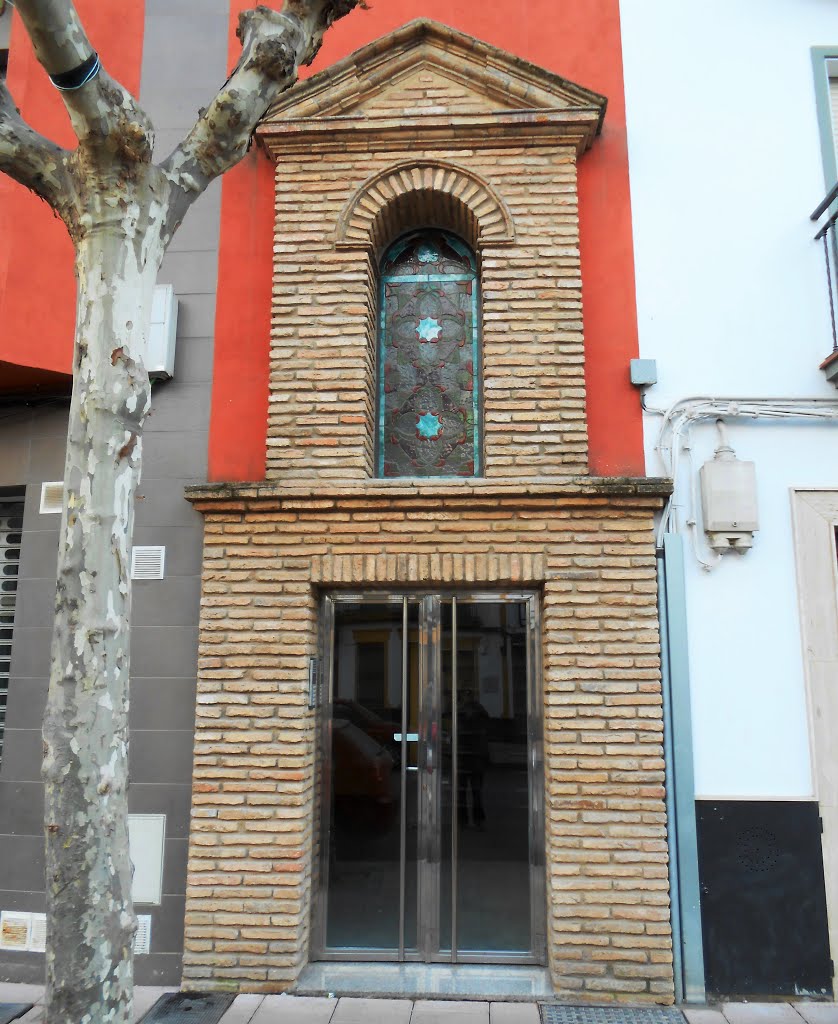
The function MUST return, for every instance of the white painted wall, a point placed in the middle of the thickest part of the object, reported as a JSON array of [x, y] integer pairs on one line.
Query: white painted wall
[[725, 164]]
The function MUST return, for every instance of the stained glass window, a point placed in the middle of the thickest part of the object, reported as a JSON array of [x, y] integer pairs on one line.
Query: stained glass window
[[428, 359]]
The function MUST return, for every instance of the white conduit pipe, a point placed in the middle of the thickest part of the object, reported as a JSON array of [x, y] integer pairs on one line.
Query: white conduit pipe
[[673, 441]]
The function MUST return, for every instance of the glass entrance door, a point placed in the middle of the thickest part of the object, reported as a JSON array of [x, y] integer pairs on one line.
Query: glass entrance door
[[431, 806]]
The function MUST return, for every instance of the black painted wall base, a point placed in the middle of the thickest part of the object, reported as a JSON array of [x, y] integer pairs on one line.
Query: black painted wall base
[[763, 903]]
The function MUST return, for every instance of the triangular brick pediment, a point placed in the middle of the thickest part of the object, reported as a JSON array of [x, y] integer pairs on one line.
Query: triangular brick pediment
[[427, 75], [427, 90]]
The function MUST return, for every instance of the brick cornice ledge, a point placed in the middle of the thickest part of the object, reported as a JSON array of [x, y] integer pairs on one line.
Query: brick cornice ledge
[[475, 493]]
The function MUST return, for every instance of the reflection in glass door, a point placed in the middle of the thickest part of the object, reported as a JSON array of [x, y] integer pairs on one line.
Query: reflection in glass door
[[431, 787]]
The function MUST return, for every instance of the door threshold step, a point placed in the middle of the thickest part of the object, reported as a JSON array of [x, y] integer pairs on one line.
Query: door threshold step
[[499, 982]]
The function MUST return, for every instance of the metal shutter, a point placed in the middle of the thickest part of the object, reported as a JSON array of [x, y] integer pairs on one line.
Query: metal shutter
[[11, 527]]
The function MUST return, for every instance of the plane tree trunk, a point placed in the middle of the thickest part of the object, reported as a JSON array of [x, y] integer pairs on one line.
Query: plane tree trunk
[[91, 921], [121, 210]]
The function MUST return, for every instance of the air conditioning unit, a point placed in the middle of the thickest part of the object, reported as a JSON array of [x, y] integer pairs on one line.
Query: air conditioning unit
[[160, 355]]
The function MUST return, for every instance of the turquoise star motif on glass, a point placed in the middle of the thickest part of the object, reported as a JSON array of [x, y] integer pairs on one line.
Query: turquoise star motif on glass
[[428, 425], [429, 329], [426, 254]]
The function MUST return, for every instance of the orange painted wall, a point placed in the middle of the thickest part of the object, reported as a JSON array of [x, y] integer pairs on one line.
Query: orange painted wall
[[579, 39], [37, 286]]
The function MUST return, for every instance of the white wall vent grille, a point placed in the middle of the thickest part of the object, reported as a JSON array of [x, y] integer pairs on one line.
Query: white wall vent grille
[[148, 563], [142, 939], [52, 494]]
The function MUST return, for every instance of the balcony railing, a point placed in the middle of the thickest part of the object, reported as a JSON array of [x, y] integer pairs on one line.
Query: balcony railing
[[827, 237]]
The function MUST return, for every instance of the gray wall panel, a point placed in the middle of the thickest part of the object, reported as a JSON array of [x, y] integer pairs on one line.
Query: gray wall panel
[[158, 969], [196, 315], [15, 459], [172, 800], [158, 651], [167, 925], [178, 408], [46, 459], [22, 757], [174, 868], [36, 599], [184, 61], [21, 809], [5, 28], [32, 900], [22, 858], [168, 602], [23, 968], [186, 459], [50, 420], [199, 230], [193, 359], [30, 651], [162, 700], [192, 273], [27, 700], [160, 502], [39, 561], [159, 756]]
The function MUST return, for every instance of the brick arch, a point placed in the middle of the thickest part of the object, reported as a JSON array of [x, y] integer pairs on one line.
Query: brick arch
[[424, 193]]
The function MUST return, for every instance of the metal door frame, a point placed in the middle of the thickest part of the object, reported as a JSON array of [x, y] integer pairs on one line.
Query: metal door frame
[[429, 782]]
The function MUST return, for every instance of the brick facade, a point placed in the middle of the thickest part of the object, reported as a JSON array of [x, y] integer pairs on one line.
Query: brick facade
[[268, 552], [409, 149], [322, 402]]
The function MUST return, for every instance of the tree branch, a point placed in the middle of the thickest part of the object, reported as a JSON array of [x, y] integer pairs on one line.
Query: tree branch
[[29, 158], [274, 45], [100, 108]]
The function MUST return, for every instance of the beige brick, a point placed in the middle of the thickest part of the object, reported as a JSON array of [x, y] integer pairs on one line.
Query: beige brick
[[536, 521]]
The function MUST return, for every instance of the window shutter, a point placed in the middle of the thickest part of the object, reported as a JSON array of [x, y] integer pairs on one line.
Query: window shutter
[[11, 536]]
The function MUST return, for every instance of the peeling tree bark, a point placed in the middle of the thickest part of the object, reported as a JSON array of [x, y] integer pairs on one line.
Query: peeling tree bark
[[121, 211]]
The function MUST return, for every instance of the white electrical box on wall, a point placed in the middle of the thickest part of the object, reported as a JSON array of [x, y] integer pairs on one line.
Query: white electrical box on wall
[[146, 839], [160, 357], [729, 501]]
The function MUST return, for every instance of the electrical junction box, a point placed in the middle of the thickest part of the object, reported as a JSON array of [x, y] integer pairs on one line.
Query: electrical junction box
[[644, 372], [729, 502], [160, 356]]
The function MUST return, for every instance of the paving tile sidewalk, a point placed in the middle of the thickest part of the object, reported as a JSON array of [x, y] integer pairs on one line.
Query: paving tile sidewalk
[[763, 1013], [286, 1009]]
